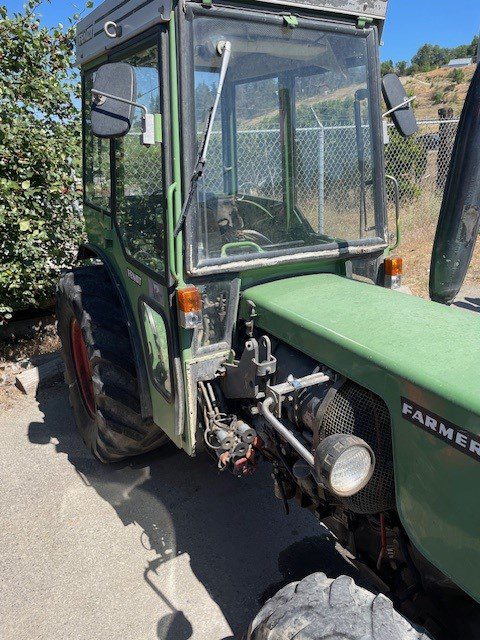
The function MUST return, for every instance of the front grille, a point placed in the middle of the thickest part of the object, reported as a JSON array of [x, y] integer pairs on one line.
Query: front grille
[[358, 411]]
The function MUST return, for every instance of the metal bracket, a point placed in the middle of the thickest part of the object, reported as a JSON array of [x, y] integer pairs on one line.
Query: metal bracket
[[293, 385], [149, 126], [362, 22], [290, 20], [252, 314], [243, 378]]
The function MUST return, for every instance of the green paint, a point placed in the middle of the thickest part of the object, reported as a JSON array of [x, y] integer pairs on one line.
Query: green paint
[[291, 21], [163, 411], [158, 127], [277, 271], [170, 227], [156, 348], [363, 22], [285, 94], [175, 137], [399, 345]]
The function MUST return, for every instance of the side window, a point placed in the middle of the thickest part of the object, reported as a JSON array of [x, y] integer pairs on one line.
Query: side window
[[97, 186], [139, 173]]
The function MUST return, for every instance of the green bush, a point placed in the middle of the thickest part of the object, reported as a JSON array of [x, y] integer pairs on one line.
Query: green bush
[[457, 76], [406, 160], [40, 223]]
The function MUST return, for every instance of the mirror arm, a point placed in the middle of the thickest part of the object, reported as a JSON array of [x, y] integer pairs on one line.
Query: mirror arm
[[148, 126], [399, 106], [102, 94]]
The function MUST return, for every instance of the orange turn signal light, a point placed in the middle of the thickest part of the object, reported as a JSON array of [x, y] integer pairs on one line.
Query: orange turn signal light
[[189, 299], [393, 266]]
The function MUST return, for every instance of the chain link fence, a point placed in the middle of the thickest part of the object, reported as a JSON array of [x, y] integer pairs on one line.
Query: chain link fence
[[327, 168], [327, 175]]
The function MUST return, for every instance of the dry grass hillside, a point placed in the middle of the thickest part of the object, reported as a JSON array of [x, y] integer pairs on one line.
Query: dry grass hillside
[[438, 89], [419, 217]]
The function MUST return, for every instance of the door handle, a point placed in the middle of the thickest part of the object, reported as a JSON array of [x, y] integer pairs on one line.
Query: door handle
[[170, 226]]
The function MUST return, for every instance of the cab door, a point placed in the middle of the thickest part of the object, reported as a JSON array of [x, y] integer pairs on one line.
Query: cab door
[[141, 175]]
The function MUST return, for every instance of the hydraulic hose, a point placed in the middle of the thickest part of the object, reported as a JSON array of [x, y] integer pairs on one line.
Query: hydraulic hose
[[285, 433]]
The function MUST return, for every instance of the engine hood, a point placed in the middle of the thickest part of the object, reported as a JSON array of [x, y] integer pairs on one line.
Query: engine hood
[[423, 359], [328, 317]]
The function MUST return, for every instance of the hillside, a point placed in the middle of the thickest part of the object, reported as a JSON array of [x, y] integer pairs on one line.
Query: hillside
[[436, 89]]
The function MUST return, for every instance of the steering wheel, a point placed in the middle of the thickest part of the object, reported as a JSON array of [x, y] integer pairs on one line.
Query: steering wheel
[[243, 187], [251, 234]]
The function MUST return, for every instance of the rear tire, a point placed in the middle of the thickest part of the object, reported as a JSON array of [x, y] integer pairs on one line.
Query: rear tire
[[100, 368], [318, 608]]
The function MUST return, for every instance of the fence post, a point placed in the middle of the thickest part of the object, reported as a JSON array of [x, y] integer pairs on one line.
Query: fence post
[[446, 134], [321, 177]]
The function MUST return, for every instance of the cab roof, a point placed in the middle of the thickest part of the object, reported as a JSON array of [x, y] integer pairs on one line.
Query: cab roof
[[116, 21]]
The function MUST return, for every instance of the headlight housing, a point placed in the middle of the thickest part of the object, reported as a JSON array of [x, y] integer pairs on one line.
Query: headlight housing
[[344, 464]]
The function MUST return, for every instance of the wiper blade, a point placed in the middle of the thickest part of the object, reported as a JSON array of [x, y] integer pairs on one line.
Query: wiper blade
[[224, 48]]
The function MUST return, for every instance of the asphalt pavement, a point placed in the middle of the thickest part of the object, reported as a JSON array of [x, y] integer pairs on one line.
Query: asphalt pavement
[[164, 546]]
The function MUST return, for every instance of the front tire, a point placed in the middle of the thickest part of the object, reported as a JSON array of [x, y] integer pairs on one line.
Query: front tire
[[100, 368], [321, 608]]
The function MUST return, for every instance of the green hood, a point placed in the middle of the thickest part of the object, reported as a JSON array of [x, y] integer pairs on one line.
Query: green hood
[[431, 345], [406, 350]]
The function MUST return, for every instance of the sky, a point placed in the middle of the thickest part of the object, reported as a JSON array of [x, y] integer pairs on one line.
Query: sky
[[410, 23]]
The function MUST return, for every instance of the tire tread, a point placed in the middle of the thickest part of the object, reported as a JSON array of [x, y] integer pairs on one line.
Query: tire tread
[[118, 429], [321, 608]]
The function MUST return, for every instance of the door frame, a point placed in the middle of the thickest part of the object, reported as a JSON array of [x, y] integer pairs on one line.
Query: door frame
[[158, 36]]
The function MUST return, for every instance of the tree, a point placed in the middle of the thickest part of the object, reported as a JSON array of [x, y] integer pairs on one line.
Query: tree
[[40, 143], [401, 68], [473, 48], [430, 56], [387, 67]]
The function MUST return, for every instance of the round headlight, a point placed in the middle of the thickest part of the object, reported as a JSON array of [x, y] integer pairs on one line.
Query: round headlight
[[344, 463]]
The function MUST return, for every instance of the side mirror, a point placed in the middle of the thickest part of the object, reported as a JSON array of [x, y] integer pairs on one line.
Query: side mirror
[[113, 100], [399, 105]]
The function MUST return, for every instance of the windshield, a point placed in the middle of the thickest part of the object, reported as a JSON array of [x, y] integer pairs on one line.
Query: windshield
[[290, 165]]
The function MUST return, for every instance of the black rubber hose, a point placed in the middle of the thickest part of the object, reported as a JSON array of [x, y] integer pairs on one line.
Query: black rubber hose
[[459, 220]]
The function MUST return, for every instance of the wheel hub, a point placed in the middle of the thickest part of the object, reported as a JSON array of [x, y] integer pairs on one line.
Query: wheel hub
[[83, 368]]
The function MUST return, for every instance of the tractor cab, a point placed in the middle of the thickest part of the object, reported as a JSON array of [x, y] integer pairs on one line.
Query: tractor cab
[[225, 145], [280, 143]]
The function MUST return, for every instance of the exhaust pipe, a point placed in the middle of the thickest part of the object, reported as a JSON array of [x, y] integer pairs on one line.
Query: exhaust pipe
[[459, 220]]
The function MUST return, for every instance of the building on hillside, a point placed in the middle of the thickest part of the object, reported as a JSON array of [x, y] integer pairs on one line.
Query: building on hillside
[[458, 63]]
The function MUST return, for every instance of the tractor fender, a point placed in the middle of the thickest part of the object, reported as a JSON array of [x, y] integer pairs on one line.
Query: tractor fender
[[459, 220], [87, 251]]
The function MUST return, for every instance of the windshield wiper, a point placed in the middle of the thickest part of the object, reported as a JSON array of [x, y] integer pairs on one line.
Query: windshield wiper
[[224, 48]]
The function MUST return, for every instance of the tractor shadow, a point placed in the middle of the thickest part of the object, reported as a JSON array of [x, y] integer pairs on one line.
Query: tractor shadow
[[471, 304], [239, 543]]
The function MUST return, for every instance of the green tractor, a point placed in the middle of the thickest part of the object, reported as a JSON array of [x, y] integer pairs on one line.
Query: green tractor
[[237, 294]]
